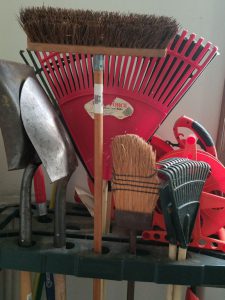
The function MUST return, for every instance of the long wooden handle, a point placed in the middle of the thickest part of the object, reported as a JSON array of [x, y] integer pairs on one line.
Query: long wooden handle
[[98, 185], [172, 256], [25, 286], [178, 289], [60, 286], [98, 293]]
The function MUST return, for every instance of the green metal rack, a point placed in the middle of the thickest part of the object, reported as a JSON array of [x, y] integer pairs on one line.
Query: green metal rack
[[77, 258]]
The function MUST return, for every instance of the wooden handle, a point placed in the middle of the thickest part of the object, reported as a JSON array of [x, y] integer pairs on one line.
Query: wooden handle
[[178, 289], [25, 286], [98, 289], [172, 256], [95, 49], [98, 155], [60, 286]]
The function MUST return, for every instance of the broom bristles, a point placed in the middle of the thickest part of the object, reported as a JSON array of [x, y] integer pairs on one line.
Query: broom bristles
[[87, 27], [135, 180]]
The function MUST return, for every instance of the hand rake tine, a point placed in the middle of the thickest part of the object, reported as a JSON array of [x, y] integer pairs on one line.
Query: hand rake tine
[[165, 199], [170, 161], [200, 170]]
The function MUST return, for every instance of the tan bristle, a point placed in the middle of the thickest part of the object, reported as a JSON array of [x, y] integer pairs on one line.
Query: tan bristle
[[135, 181], [86, 27]]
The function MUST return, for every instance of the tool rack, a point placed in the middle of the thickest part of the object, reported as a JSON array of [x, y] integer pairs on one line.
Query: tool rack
[[151, 264]]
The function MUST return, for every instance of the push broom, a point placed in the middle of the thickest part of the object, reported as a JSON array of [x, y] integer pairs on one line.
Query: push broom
[[80, 34], [135, 187]]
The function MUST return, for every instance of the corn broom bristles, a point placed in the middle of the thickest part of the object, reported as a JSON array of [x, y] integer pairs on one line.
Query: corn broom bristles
[[135, 180]]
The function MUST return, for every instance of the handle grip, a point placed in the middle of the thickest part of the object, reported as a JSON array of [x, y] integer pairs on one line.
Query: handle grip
[[40, 191], [204, 138]]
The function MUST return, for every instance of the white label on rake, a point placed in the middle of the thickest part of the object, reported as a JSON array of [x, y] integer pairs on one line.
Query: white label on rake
[[119, 108], [98, 101]]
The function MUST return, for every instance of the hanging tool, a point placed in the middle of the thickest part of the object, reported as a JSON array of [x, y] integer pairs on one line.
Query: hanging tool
[[134, 186], [180, 201]]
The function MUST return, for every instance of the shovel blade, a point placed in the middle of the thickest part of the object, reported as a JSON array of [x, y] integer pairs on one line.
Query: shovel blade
[[46, 131], [18, 148]]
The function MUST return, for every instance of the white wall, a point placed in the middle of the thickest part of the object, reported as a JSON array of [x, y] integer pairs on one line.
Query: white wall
[[202, 102]]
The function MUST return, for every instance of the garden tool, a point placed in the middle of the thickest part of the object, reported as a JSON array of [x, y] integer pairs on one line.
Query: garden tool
[[18, 148], [135, 187], [56, 151], [180, 201], [70, 68], [134, 89], [20, 153], [211, 207]]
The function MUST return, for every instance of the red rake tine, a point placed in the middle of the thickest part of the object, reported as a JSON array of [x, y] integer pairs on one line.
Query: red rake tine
[[141, 76], [123, 72], [47, 71], [160, 68], [176, 83], [168, 81], [147, 76], [68, 72], [111, 71], [117, 71], [74, 71], [129, 72], [188, 84]]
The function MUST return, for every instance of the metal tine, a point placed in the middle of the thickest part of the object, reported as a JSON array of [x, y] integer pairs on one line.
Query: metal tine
[[205, 169], [192, 176], [186, 190], [171, 227], [170, 161], [181, 174], [181, 170], [177, 176], [187, 176], [199, 176]]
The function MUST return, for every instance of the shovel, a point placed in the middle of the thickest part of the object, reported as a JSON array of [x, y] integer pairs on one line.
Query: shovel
[[20, 153], [19, 150], [55, 149]]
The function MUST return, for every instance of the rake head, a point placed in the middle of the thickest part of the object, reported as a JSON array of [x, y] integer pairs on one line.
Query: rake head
[[139, 92], [180, 196]]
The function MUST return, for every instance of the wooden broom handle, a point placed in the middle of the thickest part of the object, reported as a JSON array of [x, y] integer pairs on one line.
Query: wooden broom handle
[[178, 289], [60, 286], [98, 291], [25, 286], [98, 160]]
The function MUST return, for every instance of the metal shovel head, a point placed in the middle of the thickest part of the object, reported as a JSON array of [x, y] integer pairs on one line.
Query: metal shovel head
[[19, 149], [46, 131]]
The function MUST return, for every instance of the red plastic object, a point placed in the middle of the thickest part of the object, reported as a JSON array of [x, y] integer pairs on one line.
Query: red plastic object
[[211, 216], [150, 87], [190, 295], [203, 136], [40, 191], [160, 146]]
